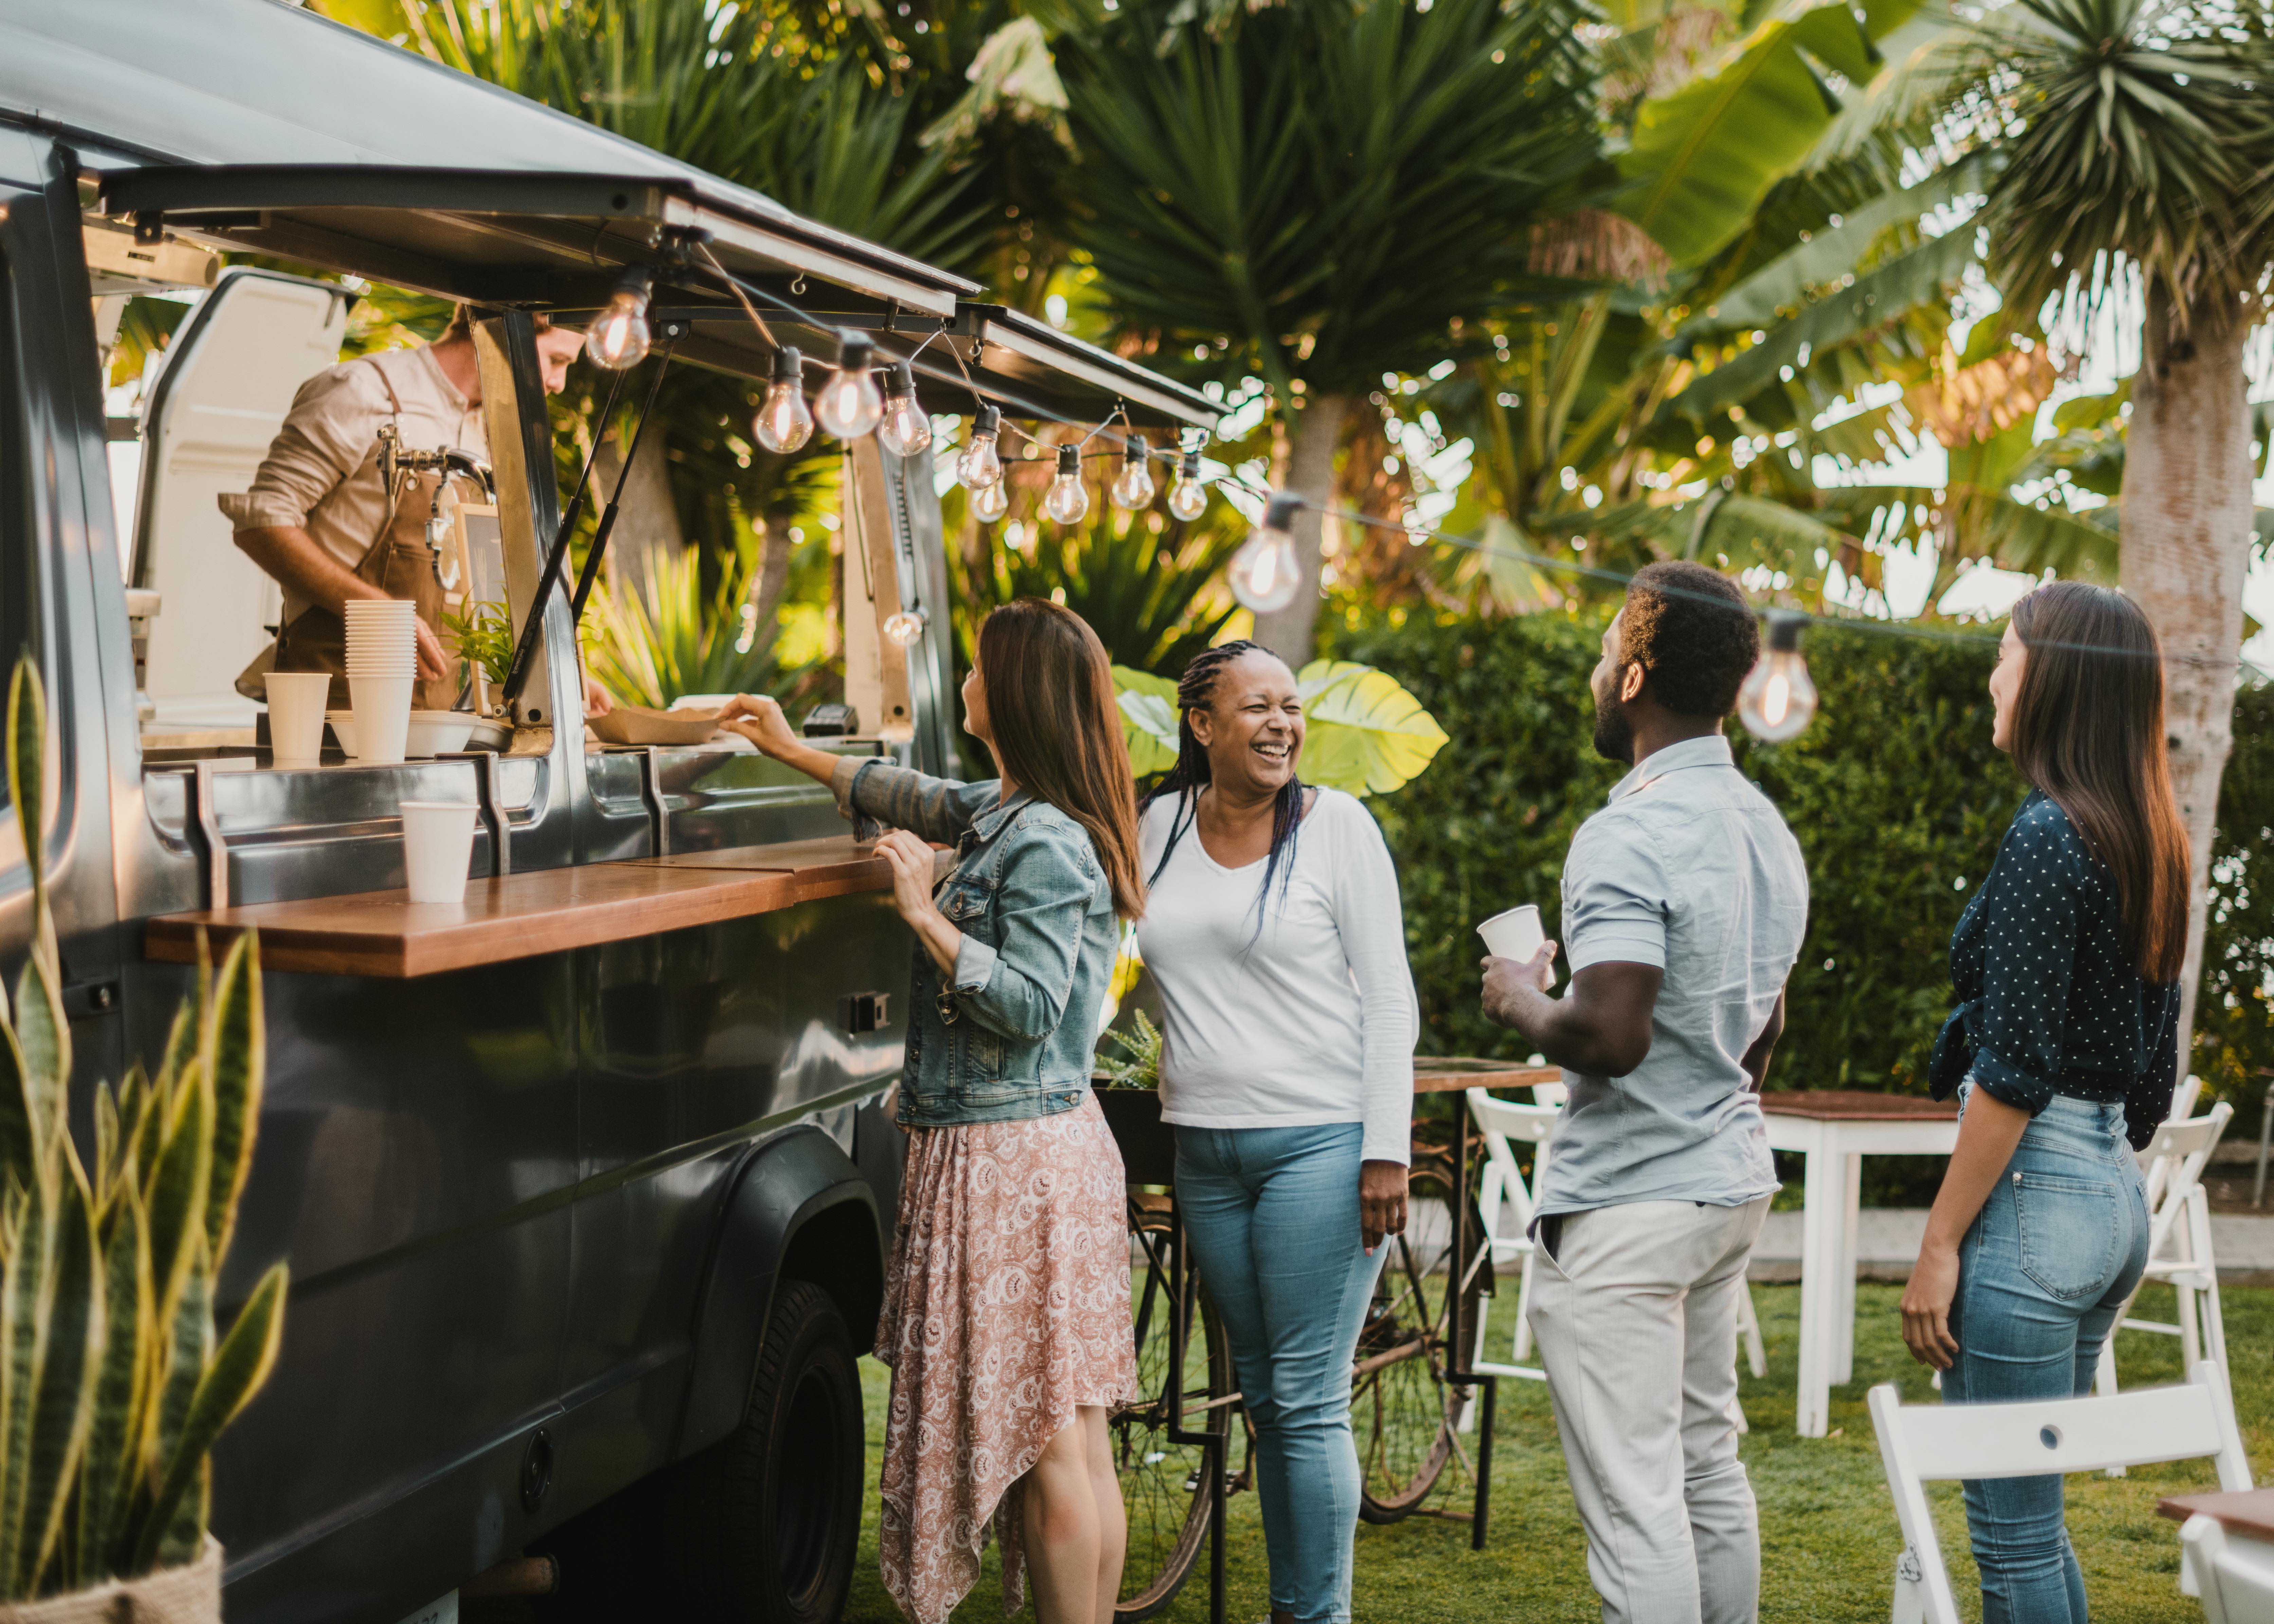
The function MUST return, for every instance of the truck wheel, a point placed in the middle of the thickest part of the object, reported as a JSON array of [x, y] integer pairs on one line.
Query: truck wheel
[[766, 1521]]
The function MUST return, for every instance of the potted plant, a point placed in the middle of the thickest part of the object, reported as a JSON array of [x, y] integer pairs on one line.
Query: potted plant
[[113, 1383]]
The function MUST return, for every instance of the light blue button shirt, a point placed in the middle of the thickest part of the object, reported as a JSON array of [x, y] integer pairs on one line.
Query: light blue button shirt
[[1689, 869]]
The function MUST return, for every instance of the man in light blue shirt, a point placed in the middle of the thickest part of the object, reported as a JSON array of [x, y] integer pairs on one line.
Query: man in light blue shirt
[[1684, 903]]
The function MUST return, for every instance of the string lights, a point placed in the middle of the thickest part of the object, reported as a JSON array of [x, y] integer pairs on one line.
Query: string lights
[[784, 422], [906, 428], [618, 338], [850, 405], [990, 502], [1778, 701], [1067, 501], [980, 464], [1265, 574], [1187, 496], [1132, 489]]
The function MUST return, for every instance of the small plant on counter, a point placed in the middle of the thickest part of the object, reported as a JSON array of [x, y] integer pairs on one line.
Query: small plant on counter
[[113, 1384], [485, 637]]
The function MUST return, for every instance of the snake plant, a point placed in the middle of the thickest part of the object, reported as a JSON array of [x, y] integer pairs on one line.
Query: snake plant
[[113, 1383]]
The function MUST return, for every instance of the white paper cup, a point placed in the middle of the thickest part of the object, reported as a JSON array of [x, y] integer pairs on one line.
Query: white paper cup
[[1515, 935], [383, 717], [438, 846], [296, 716]]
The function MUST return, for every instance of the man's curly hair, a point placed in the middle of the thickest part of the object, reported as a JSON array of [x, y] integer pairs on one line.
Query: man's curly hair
[[1693, 634]]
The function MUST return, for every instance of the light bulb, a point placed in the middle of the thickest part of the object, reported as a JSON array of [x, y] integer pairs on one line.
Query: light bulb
[[905, 429], [1188, 496], [991, 502], [980, 464], [784, 423], [906, 627], [1067, 501], [850, 404], [1265, 574], [618, 337], [1132, 488], [1778, 701]]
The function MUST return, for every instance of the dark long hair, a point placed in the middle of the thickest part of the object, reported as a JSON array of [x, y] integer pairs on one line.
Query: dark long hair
[[1195, 691], [1057, 729], [2087, 730]]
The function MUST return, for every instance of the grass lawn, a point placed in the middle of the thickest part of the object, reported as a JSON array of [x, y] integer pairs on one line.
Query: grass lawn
[[1828, 1537]]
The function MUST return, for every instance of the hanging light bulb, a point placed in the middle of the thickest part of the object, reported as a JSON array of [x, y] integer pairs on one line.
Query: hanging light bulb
[[1067, 501], [990, 502], [1778, 701], [980, 464], [1134, 489], [1265, 574], [784, 423], [849, 404], [906, 627], [618, 337], [905, 429], [1188, 496]]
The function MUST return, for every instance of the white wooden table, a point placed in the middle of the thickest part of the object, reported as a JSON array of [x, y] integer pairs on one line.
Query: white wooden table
[[1835, 1130]]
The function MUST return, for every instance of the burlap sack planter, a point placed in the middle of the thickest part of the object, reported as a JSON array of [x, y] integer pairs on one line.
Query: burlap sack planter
[[185, 1595]]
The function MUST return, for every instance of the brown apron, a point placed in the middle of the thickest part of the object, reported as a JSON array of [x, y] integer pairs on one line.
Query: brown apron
[[401, 565]]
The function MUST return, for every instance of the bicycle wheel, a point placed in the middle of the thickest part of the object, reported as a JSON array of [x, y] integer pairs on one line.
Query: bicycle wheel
[[1162, 1480]]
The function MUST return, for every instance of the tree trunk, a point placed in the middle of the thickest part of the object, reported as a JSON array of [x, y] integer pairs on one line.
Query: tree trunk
[[1293, 633], [647, 520], [2187, 516], [774, 548]]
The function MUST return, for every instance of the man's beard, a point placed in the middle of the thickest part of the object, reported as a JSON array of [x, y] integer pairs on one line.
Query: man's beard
[[1614, 733]]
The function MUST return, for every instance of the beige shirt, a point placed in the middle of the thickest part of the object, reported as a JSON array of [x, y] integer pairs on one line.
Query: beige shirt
[[321, 472]]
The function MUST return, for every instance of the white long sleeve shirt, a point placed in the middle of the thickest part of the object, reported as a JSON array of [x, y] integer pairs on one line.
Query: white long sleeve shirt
[[1310, 1019]]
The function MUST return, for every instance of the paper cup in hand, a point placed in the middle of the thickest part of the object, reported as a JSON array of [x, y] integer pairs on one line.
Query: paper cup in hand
[[296, 716], [437, 844], [1515, 935]]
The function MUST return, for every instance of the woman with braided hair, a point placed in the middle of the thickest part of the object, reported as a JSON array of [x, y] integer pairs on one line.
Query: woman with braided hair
[[1273, 929]]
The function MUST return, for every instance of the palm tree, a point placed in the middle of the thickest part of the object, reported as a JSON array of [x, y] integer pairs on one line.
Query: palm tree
[[2139, 131], [1320, 192]]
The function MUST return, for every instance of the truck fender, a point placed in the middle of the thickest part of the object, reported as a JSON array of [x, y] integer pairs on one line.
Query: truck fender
[[799, 1207]]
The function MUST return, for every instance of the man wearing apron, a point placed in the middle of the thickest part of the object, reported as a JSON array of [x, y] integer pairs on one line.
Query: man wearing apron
[[321, 519]]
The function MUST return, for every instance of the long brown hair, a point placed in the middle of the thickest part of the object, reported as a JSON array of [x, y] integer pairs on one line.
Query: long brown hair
[[1057, 729], [2088, 729]]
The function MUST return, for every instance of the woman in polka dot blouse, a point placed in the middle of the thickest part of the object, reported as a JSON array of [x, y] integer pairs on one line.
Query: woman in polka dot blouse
[[2063, 1047]]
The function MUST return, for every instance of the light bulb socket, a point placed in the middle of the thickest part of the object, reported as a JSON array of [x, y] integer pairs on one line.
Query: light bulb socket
[[1134, 454], [1191, 468], [1785, 627], [1069, 462], [986, 420], [638, 279], [1279, 513], [901, 382], [789, 365], [853, 351]]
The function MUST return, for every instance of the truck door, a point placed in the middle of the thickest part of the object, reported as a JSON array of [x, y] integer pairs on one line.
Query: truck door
[[227, 381]]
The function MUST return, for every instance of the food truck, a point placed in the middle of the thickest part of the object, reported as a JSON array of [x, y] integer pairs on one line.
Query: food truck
[[585, 1187]]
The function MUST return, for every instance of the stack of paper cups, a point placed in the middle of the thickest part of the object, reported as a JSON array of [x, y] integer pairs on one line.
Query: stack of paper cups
[[382, 670]]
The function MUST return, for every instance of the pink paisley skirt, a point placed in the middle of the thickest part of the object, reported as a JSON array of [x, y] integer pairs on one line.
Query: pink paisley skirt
[[1007, 1305]]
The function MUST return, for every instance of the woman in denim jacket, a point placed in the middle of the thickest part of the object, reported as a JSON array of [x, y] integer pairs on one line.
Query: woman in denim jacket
[[2064, 1047], [1007, 1314]]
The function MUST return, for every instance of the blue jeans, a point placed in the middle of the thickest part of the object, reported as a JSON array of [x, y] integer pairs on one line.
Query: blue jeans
[[2042, 1276], [1272, 1214]]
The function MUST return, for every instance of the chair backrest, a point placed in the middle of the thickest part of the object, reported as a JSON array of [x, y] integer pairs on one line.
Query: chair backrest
[[1924, 1443], [2232, 1591], [2174, 1160], [1550, 1093], [1502, 1121]]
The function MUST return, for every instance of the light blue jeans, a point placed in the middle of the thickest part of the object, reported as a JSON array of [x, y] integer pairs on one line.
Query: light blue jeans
[[1272, 1214], [2042, 1276]]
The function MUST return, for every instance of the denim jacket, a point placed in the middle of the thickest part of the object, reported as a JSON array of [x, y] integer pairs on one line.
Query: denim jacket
[[1012, 1033]]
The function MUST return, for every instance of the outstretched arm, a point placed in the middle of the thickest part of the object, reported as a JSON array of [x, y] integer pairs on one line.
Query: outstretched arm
[[1600, 1028]]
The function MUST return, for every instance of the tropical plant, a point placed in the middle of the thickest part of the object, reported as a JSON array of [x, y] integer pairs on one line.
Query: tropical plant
[[662, 635], [115, 1385], [1318, 193], [1362, 732], [484, 635], [1138, 1065]]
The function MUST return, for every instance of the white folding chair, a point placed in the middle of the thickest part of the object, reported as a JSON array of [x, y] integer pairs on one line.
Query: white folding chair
[[1926, 1443], [2179, 1244], [2235, 1583]]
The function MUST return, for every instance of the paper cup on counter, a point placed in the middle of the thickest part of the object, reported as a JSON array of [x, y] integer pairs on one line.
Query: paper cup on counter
[[382, 716], [1515, 935], [296, 716], [438, 846]]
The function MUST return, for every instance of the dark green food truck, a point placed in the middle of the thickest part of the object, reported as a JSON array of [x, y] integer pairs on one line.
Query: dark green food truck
[[586, 1195]]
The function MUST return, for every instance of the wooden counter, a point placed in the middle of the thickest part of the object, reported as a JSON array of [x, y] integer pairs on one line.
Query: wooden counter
[[522, 915]]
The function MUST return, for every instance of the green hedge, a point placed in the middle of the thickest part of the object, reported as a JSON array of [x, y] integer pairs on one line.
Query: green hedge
[[1895, 794]]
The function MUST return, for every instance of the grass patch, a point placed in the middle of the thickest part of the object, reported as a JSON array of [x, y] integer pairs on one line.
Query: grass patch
[[1828, 1536]]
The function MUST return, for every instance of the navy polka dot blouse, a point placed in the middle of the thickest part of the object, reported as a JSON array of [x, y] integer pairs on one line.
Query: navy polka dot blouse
[[2051, 1002]]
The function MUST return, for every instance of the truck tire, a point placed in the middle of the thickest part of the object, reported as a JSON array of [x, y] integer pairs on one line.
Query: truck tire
[[765, 1524]]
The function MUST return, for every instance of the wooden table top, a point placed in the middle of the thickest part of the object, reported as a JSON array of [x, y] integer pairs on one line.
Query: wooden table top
[[2248, 1512], [1855, 1105], [1449, 1074], [542, 911]]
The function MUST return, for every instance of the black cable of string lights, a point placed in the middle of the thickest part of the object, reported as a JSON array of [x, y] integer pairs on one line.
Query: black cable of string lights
[[1035, 408]]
